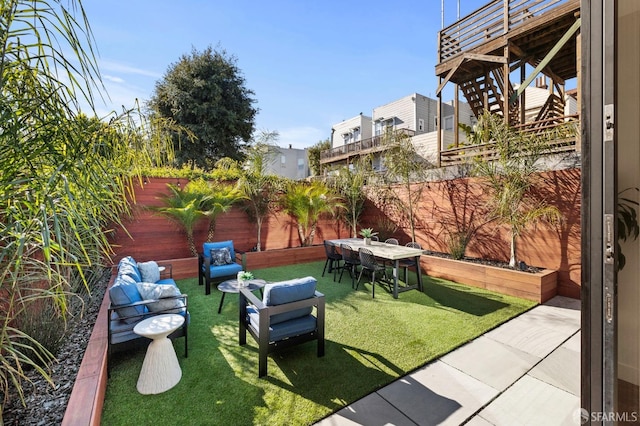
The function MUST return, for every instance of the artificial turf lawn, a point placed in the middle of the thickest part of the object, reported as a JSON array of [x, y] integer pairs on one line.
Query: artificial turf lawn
[[369, 343]]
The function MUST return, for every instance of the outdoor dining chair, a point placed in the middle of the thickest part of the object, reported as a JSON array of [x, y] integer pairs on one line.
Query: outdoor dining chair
[[392, 241], [368, 262], [409, 263], [350, 262], [333, 259]]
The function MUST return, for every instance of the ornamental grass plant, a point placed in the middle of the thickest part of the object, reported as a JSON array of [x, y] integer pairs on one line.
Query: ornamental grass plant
[[369, 344]]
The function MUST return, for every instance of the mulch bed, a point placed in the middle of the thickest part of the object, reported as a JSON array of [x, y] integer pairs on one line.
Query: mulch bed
[[45, 404]]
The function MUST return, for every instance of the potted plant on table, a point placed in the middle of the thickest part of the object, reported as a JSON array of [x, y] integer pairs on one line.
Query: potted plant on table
[[367, 234], [244, 277]]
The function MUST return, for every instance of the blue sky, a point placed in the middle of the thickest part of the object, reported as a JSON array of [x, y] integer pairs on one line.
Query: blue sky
[[310, 63]]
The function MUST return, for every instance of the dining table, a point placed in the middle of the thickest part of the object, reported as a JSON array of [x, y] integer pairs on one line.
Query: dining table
[[392, 252]]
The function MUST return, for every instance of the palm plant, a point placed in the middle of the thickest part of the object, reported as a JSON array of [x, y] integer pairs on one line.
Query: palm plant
[[404, 166], [258, 188], [184, 208], [306, 203], [216, 199], [510, 174], [65, 176], [349, 182]]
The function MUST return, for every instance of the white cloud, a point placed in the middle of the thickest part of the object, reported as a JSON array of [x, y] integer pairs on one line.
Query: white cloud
[[301, 137], [112, 78], [116, 67]]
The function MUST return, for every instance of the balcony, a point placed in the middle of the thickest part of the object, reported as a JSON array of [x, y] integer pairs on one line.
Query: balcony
[[366, 146]]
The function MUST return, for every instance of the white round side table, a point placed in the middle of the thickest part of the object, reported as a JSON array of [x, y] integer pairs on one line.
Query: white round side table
[[160, 369]]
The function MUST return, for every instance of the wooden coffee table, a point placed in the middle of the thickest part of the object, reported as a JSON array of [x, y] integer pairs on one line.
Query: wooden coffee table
[[231, 286]]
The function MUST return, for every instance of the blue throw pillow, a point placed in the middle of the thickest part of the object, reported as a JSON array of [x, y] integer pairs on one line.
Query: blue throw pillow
[[287, 292], [128, 266], [124, 293]]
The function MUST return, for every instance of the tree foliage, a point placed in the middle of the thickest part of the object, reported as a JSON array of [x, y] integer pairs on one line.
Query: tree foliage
[[314, 156], [64, 177], [205, 93]]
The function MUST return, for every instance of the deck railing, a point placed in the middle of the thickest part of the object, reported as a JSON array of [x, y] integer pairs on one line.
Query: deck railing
[[561, 143], [365, 146], [493, 20]]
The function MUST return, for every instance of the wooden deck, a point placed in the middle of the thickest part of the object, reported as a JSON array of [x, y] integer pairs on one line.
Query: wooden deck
[[529, 28]]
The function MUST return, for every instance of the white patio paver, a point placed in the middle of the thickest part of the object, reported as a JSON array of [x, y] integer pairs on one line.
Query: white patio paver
[[505, 377]]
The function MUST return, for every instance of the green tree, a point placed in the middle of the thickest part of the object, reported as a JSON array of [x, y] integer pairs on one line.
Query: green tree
[[349, 182], [205, 93], [306, 203], [64, 177], [259, 189], [510, 167], [314, 156]]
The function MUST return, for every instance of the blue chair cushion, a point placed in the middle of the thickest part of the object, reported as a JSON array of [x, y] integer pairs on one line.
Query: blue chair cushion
[[283, 330], [128, 266], [124, 293], [224, 270], [207, 247], [287, 292]]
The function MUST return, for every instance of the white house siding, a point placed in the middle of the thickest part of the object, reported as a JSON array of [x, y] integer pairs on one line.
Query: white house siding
[[403, 111], [291, 163], [347, 126]]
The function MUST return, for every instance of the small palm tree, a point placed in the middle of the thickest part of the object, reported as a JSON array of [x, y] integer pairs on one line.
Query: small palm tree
[[257, 187], [184, 208], [349, 182], [510, 174], [215, 199], [307, 203]]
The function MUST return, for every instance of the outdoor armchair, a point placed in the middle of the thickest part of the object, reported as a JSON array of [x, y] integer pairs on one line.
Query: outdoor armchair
[[283, 318], [217, 263]]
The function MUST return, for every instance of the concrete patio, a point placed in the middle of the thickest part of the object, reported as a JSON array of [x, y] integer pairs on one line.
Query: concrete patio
[[527, 371]]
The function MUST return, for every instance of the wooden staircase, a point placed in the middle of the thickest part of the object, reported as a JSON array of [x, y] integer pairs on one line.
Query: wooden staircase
[[492, 87]]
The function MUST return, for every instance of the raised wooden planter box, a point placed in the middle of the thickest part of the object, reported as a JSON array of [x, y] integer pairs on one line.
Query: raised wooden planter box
[[538, 287], [281, 257]]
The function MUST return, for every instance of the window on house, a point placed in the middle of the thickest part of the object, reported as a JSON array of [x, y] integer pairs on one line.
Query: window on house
[[346, 137], [421, 124], [448, 123], [301, 164], [356, 134], [283, 161]]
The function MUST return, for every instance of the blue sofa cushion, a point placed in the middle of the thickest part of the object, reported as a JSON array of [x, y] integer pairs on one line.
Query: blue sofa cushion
[[221, 256], [158, 291], [283, 330], [287, 292], [124, 293], [128, 266], [149, 271]]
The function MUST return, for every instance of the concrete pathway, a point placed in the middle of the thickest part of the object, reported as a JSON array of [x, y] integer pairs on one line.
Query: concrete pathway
[[525, 372]]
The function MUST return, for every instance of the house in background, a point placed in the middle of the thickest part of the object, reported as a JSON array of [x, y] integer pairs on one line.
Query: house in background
[[292, 163], [413, 115]]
